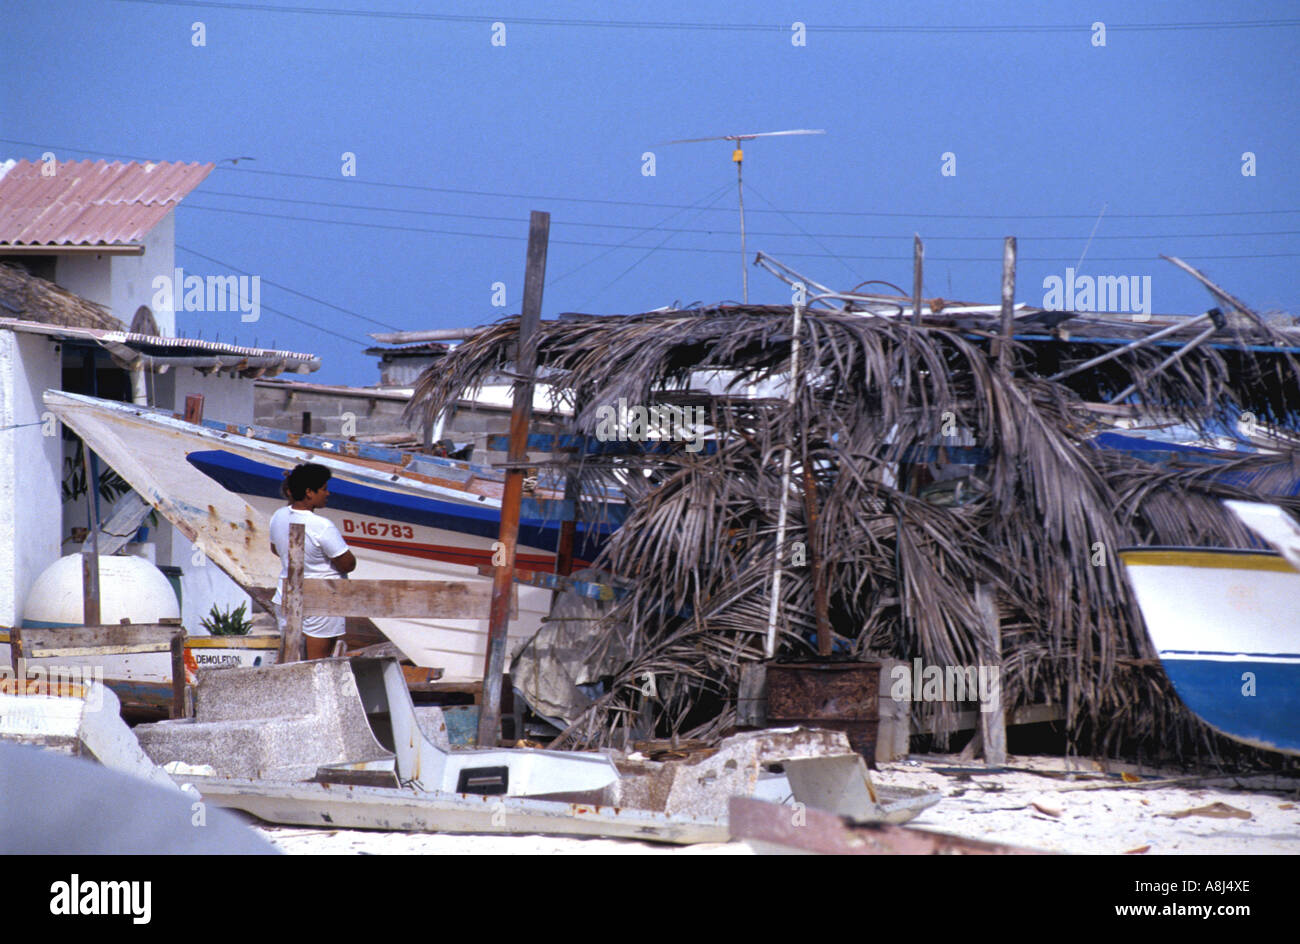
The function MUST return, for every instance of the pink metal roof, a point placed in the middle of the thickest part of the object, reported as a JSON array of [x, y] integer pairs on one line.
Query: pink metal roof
[[90, 203]]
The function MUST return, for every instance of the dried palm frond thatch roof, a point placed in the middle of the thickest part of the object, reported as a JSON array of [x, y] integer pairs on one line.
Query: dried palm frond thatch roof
[[29, 298], [887, 418]]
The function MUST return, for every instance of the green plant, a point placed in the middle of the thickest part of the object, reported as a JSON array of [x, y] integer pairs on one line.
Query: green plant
[[230, 623], [111, 485]]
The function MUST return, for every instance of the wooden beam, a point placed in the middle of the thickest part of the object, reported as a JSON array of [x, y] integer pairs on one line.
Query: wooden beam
[[1008, 300], [1025, 714], [918, 258], [414, 337], [178, 706], [291, 597], [826, 833], [90, 550], [434, 599], [993, 723], [489, 720], [123, 639]]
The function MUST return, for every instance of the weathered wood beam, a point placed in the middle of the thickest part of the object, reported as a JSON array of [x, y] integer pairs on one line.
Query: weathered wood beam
[[291, 597], [489, 719], [379, 599]]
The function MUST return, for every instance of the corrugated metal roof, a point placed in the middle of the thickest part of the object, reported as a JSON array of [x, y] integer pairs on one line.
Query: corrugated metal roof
[[90, 203], [181, 346]]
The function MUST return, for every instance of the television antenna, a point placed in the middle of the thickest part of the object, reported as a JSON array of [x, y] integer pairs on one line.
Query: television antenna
[[738, 155]]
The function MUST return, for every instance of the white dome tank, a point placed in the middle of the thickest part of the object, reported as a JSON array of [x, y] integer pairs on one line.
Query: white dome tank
[[129, 588]]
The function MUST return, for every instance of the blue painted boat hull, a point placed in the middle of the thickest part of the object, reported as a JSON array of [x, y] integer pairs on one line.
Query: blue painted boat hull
[[1244, 699], [1226, 626]]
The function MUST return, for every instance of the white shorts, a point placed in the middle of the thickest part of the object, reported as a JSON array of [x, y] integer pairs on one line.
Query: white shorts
[[321, 627]]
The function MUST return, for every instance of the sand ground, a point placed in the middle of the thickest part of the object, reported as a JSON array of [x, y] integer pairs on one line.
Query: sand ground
[[1046, 803]]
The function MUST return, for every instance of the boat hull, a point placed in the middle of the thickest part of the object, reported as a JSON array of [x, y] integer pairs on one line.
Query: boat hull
[[219, 488], [1226, 626]]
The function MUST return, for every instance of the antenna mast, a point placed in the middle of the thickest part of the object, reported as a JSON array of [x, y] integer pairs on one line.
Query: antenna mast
[[738, 155]]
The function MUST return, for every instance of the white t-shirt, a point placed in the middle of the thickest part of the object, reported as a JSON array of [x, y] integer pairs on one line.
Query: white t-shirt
[[323, 543]]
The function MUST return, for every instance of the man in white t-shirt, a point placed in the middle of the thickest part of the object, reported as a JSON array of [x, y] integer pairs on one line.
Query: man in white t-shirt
[[325, 554]]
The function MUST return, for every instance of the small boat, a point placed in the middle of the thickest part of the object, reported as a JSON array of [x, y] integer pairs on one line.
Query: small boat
[[1226, 626], [405, 516]]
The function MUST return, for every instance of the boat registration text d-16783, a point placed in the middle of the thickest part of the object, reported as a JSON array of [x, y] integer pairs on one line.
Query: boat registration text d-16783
[[377, 529]]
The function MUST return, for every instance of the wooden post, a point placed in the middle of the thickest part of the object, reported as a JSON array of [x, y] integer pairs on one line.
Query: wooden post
[[16, 653], [1008, 300], [489, 718], [90, 550], [178, 674], [194, 408], [993, 724], [918, 257], [820, 603], [569, 527], [291, 597]]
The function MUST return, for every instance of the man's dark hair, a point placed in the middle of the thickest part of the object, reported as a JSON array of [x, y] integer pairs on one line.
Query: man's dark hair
[[305, 476]]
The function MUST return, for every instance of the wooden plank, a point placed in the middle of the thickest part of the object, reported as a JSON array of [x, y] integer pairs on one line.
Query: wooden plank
[[1025, 714], [918, 259], [1008, 300], [893, 735], [178, 676], [435, 599], [64, 641], [489, 720], [751, 697], [291, 597], [993, 723], [90, 581], [380, 650], [813, 830], [417, 675]]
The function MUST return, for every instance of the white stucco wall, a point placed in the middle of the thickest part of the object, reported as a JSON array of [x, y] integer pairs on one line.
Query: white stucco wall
[[89, 275], [31, 508], [124, 283], [133, 276], [202, 583]]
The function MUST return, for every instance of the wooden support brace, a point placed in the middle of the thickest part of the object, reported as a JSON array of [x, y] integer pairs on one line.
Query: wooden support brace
[[438, 599], [178, 706], [291, 597], [993, 724], [16, 650]]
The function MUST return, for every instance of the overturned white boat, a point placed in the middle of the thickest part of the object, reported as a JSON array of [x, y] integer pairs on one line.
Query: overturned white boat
[[404, 516]]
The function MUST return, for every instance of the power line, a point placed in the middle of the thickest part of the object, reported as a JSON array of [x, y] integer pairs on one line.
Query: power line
[[353, 181], [708, 231], [285, 288], [284, 314], [190, 205], [717, 27], [795, 223], [708, 200], [648, 254]]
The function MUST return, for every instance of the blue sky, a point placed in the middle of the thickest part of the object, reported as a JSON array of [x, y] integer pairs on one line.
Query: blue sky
[[456, 139]]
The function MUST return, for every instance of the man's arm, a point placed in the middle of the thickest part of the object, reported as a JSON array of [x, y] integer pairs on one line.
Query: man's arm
[[345, 563]]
